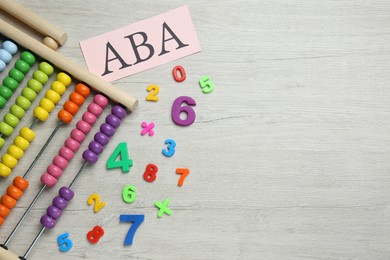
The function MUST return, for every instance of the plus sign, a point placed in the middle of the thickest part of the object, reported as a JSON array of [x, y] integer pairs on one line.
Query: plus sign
[[163, 208]]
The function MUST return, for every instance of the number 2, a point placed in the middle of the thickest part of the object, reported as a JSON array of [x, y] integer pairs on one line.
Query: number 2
[[153, 96], [98, 205], [64, 242], [137, 221]]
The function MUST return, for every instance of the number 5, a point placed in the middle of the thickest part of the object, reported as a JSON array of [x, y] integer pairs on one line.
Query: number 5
[[64, 243], [206, 85], [137, 220]]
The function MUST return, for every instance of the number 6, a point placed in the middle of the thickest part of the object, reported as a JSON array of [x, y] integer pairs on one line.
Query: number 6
[[177, 109]]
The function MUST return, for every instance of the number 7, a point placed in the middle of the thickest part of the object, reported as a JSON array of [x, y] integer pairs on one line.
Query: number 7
[[137, 219], [184, 172]]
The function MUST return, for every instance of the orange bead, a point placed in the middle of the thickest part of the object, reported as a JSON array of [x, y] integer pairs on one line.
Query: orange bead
[[4, 211], [14, 192], [82, 89], [65, 116], [71, 107], [8, 201], [20, 183], [76, 98], [1, 221]]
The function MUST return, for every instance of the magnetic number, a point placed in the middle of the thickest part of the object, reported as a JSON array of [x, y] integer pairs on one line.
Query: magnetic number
[[150, 172], [125, 162], [95, 234], [98, 204], [184, 172], [153, 96], [128, 194], [182, 74], [178, 108], [137, 220], [206, 85], [170, 150], [64, 242]]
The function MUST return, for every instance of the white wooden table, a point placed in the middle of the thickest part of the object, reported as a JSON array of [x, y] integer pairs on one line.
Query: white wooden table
[[289, 156]]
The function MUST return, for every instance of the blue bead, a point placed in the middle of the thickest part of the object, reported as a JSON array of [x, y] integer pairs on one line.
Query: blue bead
[[10, 47], [5, 56], [2, 65]]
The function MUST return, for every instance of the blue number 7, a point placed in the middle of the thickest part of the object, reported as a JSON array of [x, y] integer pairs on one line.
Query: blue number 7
[[137, 219]]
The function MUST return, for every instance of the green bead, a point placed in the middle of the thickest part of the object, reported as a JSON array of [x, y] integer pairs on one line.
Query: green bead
[[29, 93], [11, 120], [23, 102], [16, 74], [35, 85], [22, 66], [40, 76], [17, 111], [3, 101], [46, 68], [5, 92], [28, 57], [10, 83], [6, 129], [2, 141]]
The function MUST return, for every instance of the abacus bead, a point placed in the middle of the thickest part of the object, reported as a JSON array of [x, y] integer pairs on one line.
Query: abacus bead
[[46, 68], [48, 222], [4, 211], [90, 156], [23, 102], [10, 83], [28, 57], [54, 212], [14, 192], [4, 170], [9, 160], [22, 66], [64, 78], [21, 143], [101, 100], [101, 138], [118, 111], [72, 144], [112, 120], [48, 180], [107, 129], [27, 133], [58, 87], [8, 201], [20, 183], [5, 56], [5, 92], [2, 65], [89, 118], [17, 111], [52, 96], [29, 93], [66, 153], [46, 104], [35, 85], [66, 193], [65, 116], [6, 129], [41, 113], [11, 119], [10, 47], [60, 161], [2, 141], [82, 89], [1, 221], [54, 171], [3, 101], [77, 135], [16, 75], [15, 151], [76, 98], [96, 147], [71, 107], [40, 76], [95, 109], [60, 203], [83, 126]]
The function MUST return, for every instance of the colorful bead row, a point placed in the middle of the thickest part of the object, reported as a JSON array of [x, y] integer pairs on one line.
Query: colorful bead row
[[14, 192], [54, 211], [72, 144], [6, 52], [102, 137], [76, 99], [15, 76]]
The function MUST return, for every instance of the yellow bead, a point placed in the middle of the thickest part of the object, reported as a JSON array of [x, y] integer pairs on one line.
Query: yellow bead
[[15, 151], [41, 113], [21, 143], [64, 78], [27, 134], [46, 104], [2, 141], [53, 96], [9, 160], [58, 87], [4, 170]]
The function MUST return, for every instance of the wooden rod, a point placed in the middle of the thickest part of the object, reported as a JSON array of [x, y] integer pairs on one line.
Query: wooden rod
[[7, 255], [67, 65], [33, 20]]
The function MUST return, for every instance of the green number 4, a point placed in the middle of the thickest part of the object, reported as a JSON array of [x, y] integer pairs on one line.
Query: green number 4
[[124, 162]]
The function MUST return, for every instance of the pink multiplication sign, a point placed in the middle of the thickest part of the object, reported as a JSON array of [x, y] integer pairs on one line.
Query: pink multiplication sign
[[142, 45]]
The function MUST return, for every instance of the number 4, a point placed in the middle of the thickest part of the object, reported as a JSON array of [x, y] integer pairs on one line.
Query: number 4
[[137, 220], [125, 162]]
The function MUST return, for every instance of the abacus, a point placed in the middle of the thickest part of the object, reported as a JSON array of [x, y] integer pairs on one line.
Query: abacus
[[46, 51]]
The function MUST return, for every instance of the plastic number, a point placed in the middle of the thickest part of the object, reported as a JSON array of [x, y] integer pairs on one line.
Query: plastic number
[[95, 234], [98, 205], [150, 173], [64, 242], [153, 96], [182, 74], [125, 162], [206, 85], [184, 172], [137, 220], [128, 194], [170, 150], [177, 109]]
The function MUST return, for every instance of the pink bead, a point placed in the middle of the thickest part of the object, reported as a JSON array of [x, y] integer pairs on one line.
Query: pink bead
[[48, 180], [89, 118], [60, 162], [100, 100], [72, 144], [54, 171], [66, 153], [77, 135], [83, 126], [95, 109]]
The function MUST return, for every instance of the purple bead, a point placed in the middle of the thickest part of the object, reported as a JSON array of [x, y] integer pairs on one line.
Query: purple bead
[[107, 129], [90, 156], [118, 111], [54, 212], [113, 120], [66, 193], [96, 147], [48, 222], [101, 138], [60, 202]]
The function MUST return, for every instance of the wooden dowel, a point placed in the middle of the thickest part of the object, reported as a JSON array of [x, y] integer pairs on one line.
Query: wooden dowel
[[33, 20], [67, 65], [7, 255]]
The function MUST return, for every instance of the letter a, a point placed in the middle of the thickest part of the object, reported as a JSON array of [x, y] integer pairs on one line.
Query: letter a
[[117, 57], [174, 37]]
